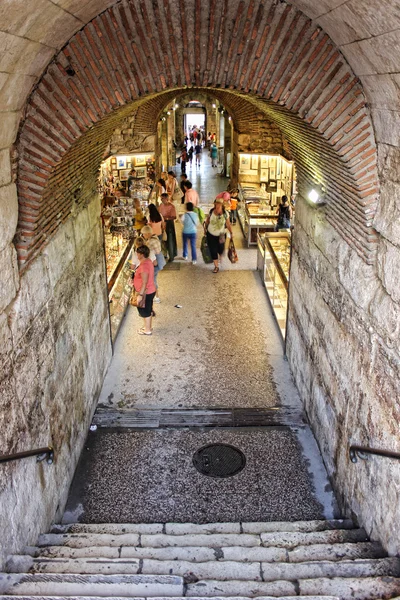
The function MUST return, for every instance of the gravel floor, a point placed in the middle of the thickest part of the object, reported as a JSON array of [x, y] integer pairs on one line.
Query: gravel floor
[[148, 476]]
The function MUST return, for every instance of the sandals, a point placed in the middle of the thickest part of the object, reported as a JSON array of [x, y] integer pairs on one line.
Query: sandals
[[143, 332], [216, 269]]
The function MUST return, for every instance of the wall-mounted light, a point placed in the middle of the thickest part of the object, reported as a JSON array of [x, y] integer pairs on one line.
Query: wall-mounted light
[[214, 106], [229, 118], [168, 112], [315, 196], [176, 105]]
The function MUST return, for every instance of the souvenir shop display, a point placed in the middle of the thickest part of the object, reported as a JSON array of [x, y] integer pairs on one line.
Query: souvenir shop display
[[273, 172], [115, 172], [118, 217]]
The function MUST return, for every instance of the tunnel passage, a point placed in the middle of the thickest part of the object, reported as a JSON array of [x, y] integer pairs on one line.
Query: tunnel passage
[[271, 55]]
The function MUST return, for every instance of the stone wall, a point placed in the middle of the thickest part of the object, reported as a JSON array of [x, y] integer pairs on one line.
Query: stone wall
[[343, 348], [55, 348]]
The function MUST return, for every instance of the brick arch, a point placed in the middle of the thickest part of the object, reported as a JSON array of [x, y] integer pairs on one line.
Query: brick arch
[[263, 52]]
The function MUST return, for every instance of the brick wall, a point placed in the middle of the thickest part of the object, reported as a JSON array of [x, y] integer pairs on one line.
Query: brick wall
[[270, 52]]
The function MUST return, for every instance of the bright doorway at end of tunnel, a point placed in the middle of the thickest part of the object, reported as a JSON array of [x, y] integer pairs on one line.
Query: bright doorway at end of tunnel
[[194, 121]]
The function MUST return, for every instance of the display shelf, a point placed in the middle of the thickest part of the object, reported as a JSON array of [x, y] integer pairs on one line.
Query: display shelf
[[273, 262], [120, 293]]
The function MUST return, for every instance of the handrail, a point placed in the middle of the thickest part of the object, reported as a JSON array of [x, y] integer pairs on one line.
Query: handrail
[[356, 452], [41, 454]]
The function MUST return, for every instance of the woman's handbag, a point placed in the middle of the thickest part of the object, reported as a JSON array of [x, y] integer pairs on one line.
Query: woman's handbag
[[164, 236], [205, 251], [178, 194], [134, 300], [232, 254]]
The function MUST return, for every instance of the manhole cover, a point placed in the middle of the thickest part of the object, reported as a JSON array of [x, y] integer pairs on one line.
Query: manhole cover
[[219, 460]]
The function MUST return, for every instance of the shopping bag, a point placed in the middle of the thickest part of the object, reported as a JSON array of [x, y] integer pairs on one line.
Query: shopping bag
[[200, 214], [232, 254], [205, 251]]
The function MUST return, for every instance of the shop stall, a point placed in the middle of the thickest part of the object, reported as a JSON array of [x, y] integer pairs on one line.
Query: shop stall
[[273, 173], [118, 217], [273, 263], [115, 173]]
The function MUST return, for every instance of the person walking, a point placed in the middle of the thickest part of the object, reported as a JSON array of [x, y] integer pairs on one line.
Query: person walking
[[167, 210], [214, 154], [197, 152], [144, 285], [156, 221], [190, 221], [190, 155], [190, 193], [215, 226], [184, 158]]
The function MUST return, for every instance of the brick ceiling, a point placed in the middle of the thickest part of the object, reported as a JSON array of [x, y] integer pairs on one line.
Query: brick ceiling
[[260, 52]]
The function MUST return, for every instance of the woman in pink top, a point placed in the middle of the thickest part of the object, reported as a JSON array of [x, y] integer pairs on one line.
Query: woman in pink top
[[156, 221], [144, 284]]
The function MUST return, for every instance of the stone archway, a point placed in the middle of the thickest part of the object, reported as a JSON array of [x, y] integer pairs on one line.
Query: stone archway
[[295, 70], [344, 314]]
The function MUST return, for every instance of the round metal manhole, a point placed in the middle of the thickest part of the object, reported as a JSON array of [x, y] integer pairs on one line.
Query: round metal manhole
[[219, 460]]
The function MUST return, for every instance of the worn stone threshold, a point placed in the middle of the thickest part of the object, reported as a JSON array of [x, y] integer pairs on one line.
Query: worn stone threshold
[[152, 418]]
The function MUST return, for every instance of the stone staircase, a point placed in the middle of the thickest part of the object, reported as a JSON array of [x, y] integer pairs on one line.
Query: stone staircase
[[309, 559]]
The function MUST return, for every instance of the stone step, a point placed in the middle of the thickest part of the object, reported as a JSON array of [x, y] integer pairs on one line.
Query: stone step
[[211, 540], [189, 528], [149, 540], [293, 539], [175, 598], [218, 570], [317, 552], [132, 586], [365, 588]]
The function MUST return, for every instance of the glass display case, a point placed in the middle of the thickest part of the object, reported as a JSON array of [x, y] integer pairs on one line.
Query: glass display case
[[119, 291], [273, 262], [255, 218]]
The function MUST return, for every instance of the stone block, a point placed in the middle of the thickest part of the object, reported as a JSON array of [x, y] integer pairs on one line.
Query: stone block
[[361, 62], [60, 251], [8, 214], [358, 278], [9, 123], [14, 90], [5, 167], [389, 268], [387, 218], [20, 55], [389, 163], [81, 228], [386, 314], [382, 91], [341, 25], [34, 292], [10, 277], [386, 124]]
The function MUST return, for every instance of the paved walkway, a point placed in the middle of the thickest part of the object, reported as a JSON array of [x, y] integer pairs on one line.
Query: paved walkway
[[221, 349]]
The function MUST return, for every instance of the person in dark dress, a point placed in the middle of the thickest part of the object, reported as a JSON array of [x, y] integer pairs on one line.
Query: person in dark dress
[[284, 212]]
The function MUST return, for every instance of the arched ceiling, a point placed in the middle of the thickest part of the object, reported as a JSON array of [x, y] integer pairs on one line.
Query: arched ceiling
[[264, 51]]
